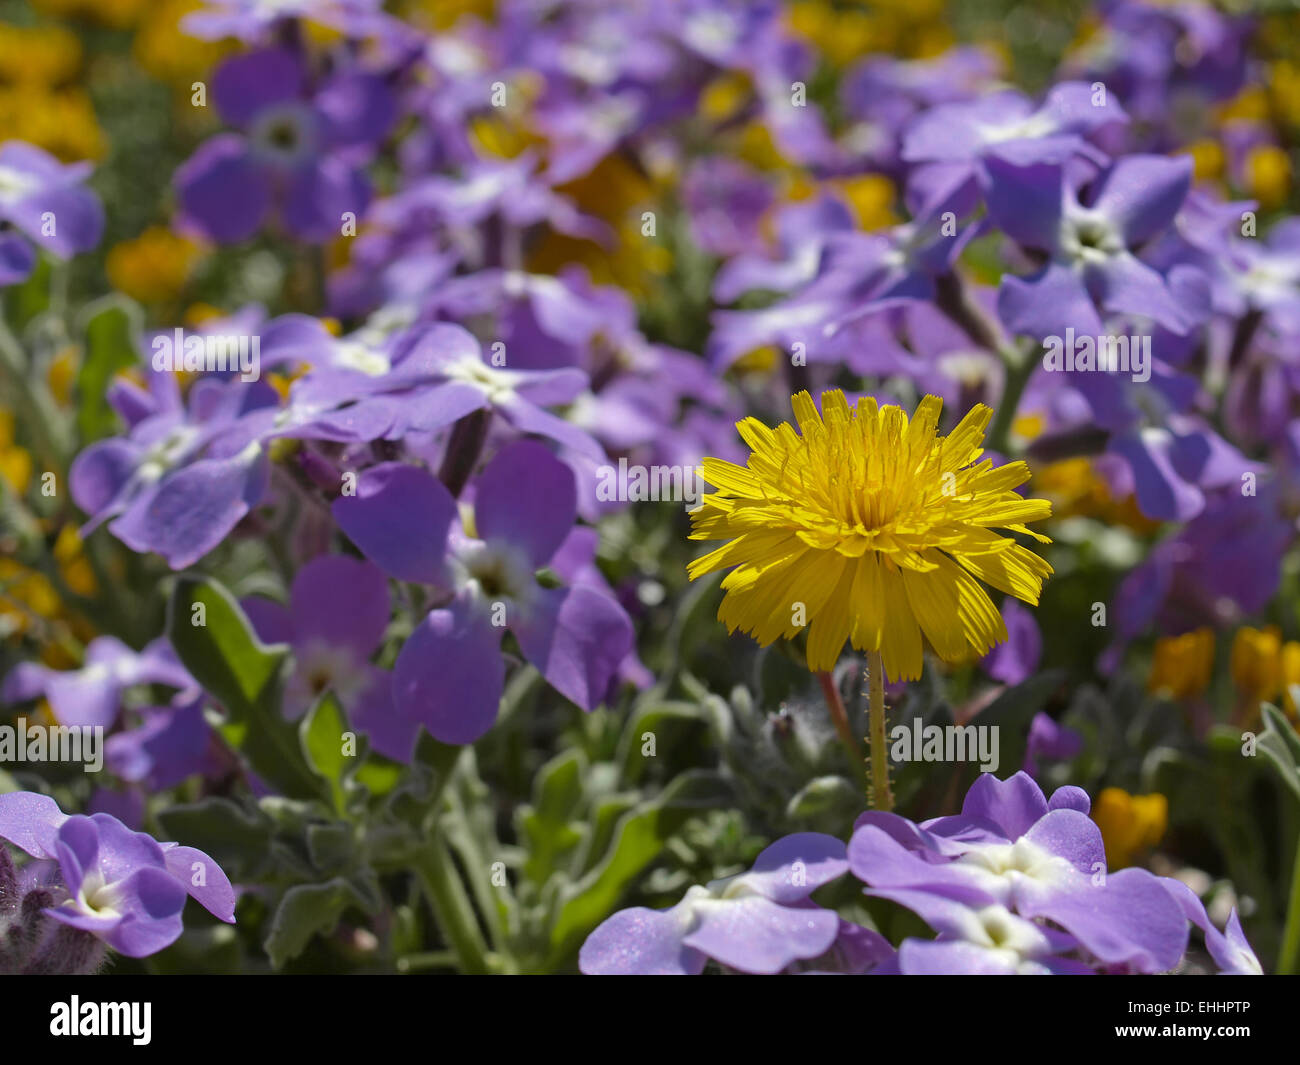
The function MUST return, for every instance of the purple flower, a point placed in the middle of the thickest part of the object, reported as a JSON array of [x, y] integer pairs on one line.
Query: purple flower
[[1229, 948], [1012, 850], [44, 202], [301, 149], [184, 475], [450, 674], [1015, 660], [336, 620], [377, 383], [1049, 740], [1091, 264], [250, 20], [118, 885], [92, 695], [759, 922]]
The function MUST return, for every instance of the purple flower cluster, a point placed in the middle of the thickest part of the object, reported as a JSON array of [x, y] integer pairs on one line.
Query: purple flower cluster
[[1014, 884]]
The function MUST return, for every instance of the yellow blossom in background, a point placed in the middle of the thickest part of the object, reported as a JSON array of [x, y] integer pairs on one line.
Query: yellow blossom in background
[[74, 567], [170, 55], [1291, 678], [61, 121], [761, 360], [153, 267], [617, 193], [62, 374], [871, 197], [1256, 663], [15, 462], [1268, 175], [117, 14], [866, 527], [1208, 160], [1077, 491], [1130, 824], [25, 595], [725, 96], [1284, 83], [841, 36], [1181, 665], [38, 56]]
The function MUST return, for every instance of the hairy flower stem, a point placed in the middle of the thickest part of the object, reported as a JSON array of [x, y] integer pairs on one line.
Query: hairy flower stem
[[452, 908], [882, 798], [1288, 958], [840, 718], [463, 449]]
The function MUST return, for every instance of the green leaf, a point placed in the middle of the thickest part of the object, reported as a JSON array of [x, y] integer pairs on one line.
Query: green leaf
[[111, 325], [304, 911], [639, 839], [245, 675], [1280, 745], [321, 732], [544, 826]]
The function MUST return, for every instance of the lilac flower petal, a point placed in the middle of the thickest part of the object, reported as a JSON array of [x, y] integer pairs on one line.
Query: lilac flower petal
[[792, 868], [375, 713], [1142, 194], [1130, 920], [342, 602], [757, 935], [528, 497], [449, 675], [1048, 304], [321, 194], [1161, 492], [245, 85], [1025, 202], [576, 637], [223, 190], [640, 942], [17, 258], [192, 510], [153, 901], [31, 822], [203, 879], [1014, 804], [399, 518]]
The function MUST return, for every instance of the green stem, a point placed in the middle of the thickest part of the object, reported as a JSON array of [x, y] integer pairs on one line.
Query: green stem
[[451, 907], [882, 798], [1288, 958], [1017, 376]]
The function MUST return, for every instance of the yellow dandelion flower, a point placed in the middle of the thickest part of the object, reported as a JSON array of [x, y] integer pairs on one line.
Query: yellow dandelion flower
[[870, 529]]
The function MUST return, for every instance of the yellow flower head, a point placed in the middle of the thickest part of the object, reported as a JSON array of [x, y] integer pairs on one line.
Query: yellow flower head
[[1256, 662], [1130, 824], [1181, 665], [870, 529]]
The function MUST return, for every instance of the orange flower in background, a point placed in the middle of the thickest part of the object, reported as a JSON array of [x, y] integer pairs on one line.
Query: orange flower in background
[[1130, 824], [1256, 663], [1181, 665]]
